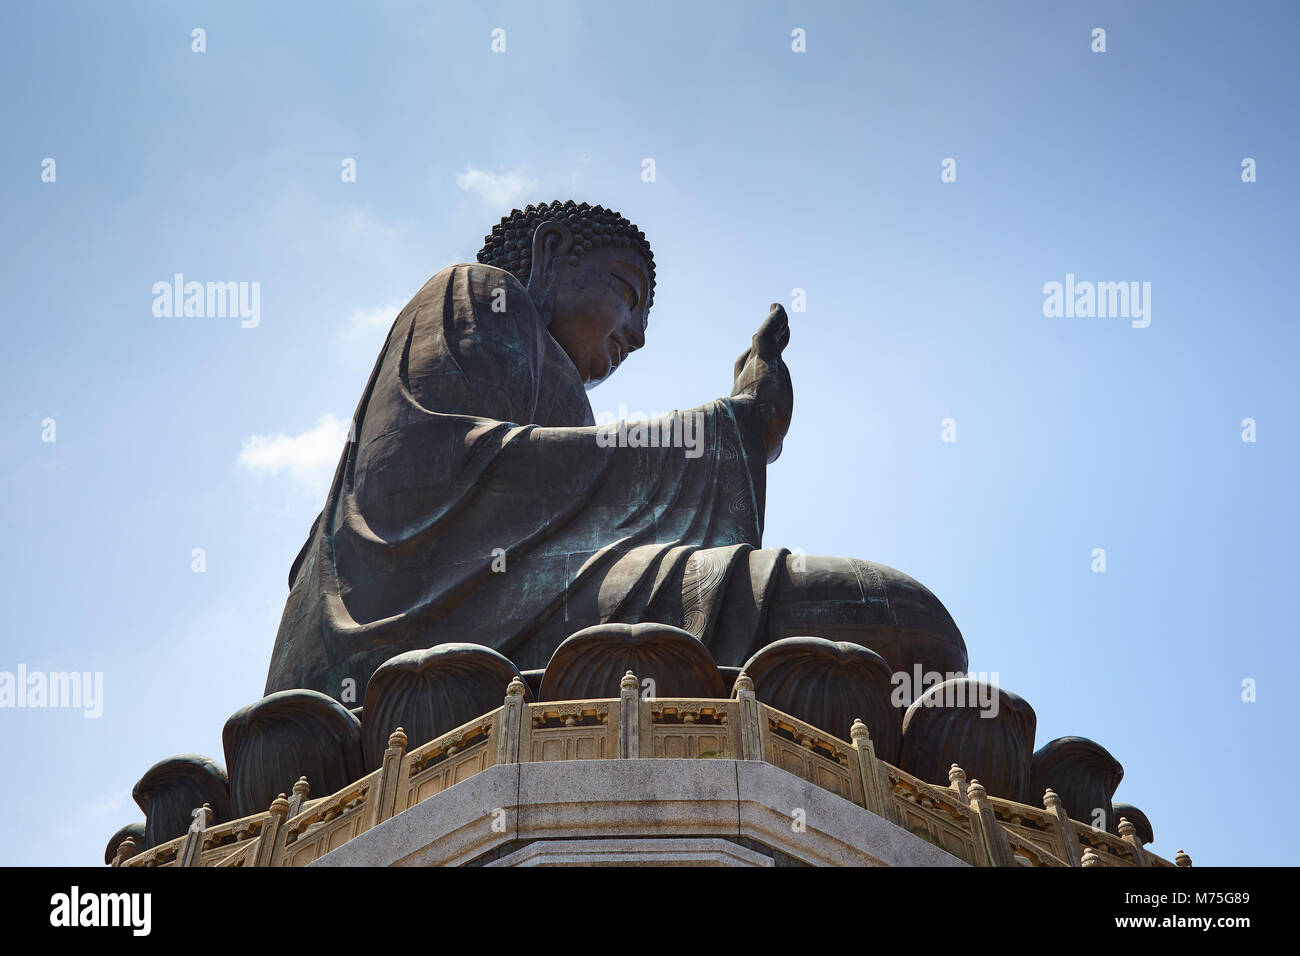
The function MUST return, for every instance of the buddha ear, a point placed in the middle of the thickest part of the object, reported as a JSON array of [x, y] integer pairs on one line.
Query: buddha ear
[[551, 243]]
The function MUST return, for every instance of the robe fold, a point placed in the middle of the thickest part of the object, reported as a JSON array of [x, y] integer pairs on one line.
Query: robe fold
[[478, 501]]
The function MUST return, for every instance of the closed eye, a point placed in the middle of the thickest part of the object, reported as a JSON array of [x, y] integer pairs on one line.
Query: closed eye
[[625, 288]]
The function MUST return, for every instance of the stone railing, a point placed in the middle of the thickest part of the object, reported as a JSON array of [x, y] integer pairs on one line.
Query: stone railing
[[961, 818]]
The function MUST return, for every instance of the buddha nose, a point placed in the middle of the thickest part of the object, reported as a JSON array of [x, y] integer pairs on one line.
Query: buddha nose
[[635, 338]]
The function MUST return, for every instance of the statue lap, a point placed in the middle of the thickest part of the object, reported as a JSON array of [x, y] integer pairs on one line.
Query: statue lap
[[839, 599]]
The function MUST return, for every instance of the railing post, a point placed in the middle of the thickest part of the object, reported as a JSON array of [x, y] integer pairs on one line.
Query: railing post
[[1064, 828], [996, 849], [957, 781], [751, 718], [629, 717], [301, 790], [874, 796], [192, 850], [268, 842], [125, 850], [512, 722], [390, 778], [1129, 832], [1091, 858]]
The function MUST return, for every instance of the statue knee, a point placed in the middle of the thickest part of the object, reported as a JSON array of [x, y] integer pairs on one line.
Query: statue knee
[[912, 604], [879, 607]]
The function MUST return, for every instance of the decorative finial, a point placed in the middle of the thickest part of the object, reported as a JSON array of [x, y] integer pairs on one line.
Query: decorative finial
[[629, 682], [1091, 857], [976, 790], [516, 688], [1182, 859], [397, 739], [1126, 829], [955, 775], [280, 806], [301, 788], [859, 730], [743, 684], [1051, 800], [125, 850]]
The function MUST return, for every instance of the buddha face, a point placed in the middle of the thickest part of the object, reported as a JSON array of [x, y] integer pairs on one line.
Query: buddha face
[[599, 312]]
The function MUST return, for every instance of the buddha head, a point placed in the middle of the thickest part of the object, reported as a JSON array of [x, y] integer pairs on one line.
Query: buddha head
[[590, 273]]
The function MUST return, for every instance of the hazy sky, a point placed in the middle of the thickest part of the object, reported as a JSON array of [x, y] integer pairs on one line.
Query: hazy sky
[[774, 171]]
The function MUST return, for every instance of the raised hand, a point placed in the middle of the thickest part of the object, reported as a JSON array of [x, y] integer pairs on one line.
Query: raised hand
[[762, 375]]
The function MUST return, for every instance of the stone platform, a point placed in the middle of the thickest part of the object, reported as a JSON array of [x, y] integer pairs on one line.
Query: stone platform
[[637, 812], [729, 781]]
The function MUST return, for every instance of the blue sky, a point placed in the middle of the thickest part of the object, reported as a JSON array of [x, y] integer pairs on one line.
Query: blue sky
[[774, 170]]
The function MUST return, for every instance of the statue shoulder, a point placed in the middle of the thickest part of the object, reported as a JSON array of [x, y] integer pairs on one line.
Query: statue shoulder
[[467, 294], [482, 287], [477, 277]]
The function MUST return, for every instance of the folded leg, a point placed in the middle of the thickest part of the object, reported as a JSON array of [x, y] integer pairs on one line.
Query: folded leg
[[844, 599]]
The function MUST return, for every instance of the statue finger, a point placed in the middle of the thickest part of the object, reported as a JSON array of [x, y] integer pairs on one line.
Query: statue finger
[[773, 333]]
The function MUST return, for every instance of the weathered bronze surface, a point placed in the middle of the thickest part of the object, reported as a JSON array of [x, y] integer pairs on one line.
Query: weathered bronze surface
[[830, 684], [1126, 811], [1083, 774], [292, 733], [430, 692], [132, 831], [994, 745], [480, 503], [172, 789], [595, 659]]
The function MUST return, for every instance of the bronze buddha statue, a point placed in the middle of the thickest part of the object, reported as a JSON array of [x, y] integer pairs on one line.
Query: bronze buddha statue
[[481, 526], [477, 502]]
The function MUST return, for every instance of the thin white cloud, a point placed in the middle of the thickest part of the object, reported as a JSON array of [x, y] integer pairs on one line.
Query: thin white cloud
[[363, 224], [308, 458], [368, 322], [105, 804], [500, 189]]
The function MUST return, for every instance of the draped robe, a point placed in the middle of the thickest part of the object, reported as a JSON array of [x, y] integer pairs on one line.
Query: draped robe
[[475, 503]]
